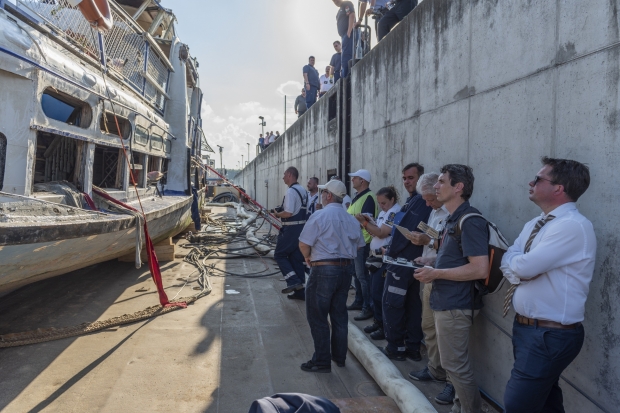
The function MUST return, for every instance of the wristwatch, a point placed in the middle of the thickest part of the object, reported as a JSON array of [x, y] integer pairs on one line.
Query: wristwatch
[[431, 245]]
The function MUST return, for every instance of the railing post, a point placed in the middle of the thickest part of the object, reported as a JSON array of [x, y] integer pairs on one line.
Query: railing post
[[146, 65]]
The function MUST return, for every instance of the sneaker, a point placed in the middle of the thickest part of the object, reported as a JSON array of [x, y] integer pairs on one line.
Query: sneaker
[[292, 288], [364, 315], [378, 335], [424, 375], [399, 356], [313, 368], [446, 396], [354, 307], [372, 328], [413, 354]]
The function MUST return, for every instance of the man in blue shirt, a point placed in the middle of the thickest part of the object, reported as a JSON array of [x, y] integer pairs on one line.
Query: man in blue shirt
[[311, 82], [336, 62], [402, 306], [329, 243], [345, 21]]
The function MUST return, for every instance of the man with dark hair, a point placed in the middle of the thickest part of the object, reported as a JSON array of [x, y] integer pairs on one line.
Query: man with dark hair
[[395, 15], [311, 82], [550, 267], [462, 258], [300, 103], [313, 194], [336, 62], [292, 213], [402, 307], [345, 22]]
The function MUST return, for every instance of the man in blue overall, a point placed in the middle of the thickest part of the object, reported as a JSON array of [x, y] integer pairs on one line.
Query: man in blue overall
[[402, 307], [292, 213]]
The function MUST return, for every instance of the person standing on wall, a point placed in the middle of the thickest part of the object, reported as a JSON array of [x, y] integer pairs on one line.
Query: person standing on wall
[[329, 243], [292, 213], [313, 194], [550, 267], [261, 142], [311, 82], [381, 231], [461, 260], [365, 202], [401, 304], [345, 22], [437, 220], [326, 81], [300, 104], [395, 15], [336, 62]]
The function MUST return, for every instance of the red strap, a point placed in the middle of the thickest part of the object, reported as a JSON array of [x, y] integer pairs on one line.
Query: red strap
[[150, 250], [89, 201]]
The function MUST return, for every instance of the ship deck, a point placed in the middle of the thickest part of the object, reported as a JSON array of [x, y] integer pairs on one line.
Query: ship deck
[[242, 342]]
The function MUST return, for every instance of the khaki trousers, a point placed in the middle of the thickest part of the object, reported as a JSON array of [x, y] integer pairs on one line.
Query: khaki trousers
[[430, 335], [453, 329]]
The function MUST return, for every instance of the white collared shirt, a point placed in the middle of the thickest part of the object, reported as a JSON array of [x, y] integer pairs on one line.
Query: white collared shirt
[[437, 220], [385, 218], [563, 254]]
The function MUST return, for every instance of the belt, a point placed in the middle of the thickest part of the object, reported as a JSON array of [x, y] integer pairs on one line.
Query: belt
[[340, 262], [293, 223], [521, 319]]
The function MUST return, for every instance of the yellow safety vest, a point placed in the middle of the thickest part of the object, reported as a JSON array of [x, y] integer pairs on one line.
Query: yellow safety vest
[[356, 208]]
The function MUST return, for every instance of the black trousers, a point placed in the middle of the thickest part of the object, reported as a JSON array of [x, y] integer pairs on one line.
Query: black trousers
[[402, 309], [393, 16]]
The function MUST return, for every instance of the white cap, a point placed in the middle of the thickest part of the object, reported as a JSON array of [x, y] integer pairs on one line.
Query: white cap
[[362, 173], [335, 187]]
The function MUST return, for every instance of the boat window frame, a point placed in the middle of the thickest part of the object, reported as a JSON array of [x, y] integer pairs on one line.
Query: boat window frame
[[157, 138], [124, 123], [84, 117], [135, 136]]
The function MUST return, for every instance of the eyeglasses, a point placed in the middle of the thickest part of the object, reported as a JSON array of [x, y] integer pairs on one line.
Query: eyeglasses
[[540, 178]]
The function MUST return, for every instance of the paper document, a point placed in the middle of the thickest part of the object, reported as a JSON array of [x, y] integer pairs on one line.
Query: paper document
[[431, 232], [403, 230]]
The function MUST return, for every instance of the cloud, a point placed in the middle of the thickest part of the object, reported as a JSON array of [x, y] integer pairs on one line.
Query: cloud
[[289, 88]]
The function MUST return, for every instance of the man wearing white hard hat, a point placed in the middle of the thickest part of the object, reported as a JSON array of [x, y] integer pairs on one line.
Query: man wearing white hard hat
[[329, 243], [365, 202]]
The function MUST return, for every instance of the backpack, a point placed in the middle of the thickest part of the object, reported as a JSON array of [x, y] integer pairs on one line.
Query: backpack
[[497, 247]]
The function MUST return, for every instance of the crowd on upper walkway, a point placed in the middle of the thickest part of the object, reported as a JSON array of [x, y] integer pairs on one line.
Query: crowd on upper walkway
[[438, 239]]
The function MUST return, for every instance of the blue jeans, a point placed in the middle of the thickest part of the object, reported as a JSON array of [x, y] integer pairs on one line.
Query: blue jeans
[[288, 256], [326, 294], [346, 54], [362, 279], [311, 96], [376, 292], [541, 355], [393, 16]]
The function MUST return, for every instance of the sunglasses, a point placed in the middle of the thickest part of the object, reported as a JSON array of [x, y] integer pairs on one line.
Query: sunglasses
[[540, 178]]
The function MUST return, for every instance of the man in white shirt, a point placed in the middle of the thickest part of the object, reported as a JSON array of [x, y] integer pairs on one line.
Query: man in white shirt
[[326, 81], [550, 267], [272, 138], [293, 215], [437, 220]]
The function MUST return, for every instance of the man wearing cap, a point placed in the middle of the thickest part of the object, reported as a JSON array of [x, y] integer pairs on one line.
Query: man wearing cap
[[402, 307], [365, 202], [292, 213], [329, 243]]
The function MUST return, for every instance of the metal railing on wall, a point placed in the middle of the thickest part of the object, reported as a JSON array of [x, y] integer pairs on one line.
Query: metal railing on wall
[[127, 50]]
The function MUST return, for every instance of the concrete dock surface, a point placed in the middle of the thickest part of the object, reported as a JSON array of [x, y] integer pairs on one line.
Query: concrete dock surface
[[242, 342]]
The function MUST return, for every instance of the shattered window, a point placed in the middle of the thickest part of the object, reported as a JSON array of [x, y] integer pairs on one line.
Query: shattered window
[[64, 108]]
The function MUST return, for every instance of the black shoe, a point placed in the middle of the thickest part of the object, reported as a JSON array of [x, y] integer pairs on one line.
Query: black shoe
[[338, 363], [354, 307], [378, 335], [372, 328], [292, 288], [424, 375], [400, 356], [313, 368], [297, 296], [413, 354], [447, 395], [364, 315]]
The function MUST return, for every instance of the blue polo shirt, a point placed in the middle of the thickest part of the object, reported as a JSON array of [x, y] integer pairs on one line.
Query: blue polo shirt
[[474, 242], [410, 216], [313, 76]]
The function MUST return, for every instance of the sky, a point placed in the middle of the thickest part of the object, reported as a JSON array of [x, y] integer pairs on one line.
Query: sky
[[251, 54]]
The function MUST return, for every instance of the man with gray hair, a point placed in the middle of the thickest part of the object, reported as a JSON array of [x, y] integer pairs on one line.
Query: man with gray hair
[[436, 221], [329, 244]]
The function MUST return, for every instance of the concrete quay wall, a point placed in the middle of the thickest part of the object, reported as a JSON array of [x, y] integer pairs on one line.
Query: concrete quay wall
[[496, 85]]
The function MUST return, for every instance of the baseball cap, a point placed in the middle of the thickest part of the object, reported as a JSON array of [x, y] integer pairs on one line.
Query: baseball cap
[[362, 173], [335, 187]]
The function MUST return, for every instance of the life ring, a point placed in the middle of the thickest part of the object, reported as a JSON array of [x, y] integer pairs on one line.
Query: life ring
[[97, 12]]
